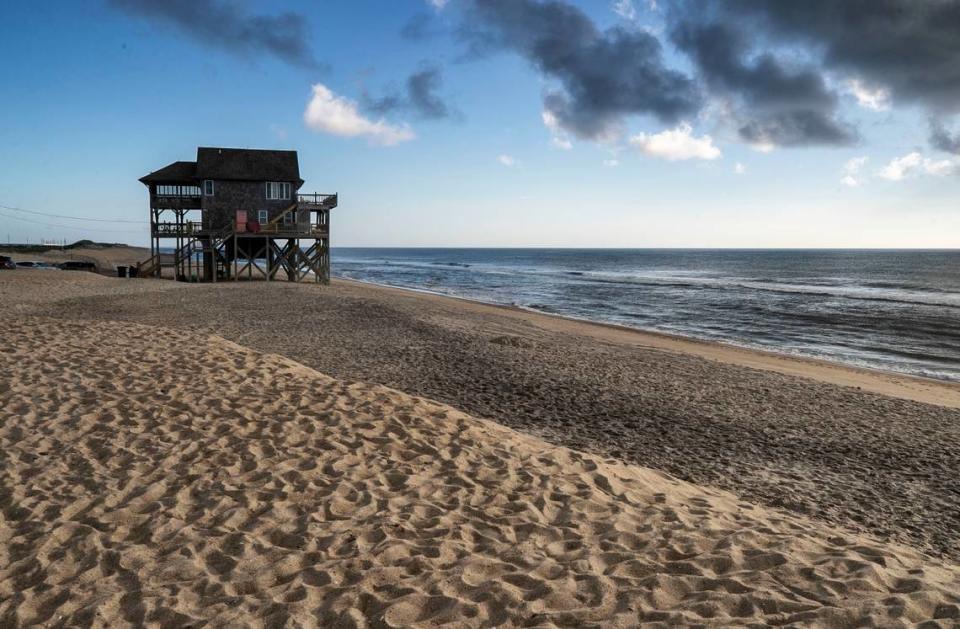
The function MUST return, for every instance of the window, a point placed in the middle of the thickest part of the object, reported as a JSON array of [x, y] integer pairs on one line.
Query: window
[[278, 190], [208, 187], [178, 191], [290, 218], [263, 216]]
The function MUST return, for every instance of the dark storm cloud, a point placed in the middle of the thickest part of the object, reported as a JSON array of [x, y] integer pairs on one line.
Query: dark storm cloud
[[419, 27], [225, 25], [911, 47], [419, 95], [773, 103], [799, 127], [385, 104], [605, 75], [421, 90], [943, 140], [768, 62]]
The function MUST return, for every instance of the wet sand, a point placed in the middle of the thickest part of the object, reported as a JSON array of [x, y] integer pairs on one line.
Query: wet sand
[[903, 386], [156, 473]]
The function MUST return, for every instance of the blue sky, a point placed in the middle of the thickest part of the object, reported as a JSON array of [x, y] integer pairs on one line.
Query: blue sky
[[94, 95]]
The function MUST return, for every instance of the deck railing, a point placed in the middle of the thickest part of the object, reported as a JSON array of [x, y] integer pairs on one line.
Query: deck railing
[[177, 229], [323, 200], [292, 228], [176, 201]]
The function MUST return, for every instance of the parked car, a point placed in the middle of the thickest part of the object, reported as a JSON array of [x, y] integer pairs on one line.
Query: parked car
[[77, 265], [6, 262], [25, 264]]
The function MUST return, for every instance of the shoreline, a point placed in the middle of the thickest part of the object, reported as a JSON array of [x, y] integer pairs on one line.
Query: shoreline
[[894, 384]]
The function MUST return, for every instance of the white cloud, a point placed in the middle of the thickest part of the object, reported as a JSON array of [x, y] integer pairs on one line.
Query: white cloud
[[877, 99], [625, 9], [763, 146], [437, 4], [611, 163], [334, 114], [914, 163], [940, 168], [901, 167], [676, 144], [550, 120], [739, 168], [853, 165], [506, 160], [850, 181], [851, 171], [559, 138]]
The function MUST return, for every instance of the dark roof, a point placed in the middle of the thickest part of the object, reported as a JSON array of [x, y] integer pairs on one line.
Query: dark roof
[[177, 172], [247, 165]]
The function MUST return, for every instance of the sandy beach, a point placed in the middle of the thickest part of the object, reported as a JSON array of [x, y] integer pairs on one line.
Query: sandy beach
[[360, 456], [480, 313]]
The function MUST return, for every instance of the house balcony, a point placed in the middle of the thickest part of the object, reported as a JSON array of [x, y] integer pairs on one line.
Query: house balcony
[[190, 229], [174, 230], [287, 230], [175, 196], [175, 202], [316, 202]]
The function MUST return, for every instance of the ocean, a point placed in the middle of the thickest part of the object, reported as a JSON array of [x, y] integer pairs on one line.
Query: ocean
[[893, 310]]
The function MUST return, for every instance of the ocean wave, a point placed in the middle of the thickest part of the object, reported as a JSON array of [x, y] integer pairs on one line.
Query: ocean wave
[[456, 264], [868, 311], [862, 292]]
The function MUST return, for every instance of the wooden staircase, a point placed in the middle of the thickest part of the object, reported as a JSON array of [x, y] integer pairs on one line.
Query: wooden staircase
[[148, 267], [190, 256], [152, 265], [276, 223]]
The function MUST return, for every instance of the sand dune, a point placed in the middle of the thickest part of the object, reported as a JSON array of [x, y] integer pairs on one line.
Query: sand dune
[[106, 258], [24, 289], [158, 476]]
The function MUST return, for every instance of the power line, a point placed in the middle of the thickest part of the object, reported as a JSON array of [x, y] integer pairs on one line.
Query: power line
[[75, 218], [73, 227]]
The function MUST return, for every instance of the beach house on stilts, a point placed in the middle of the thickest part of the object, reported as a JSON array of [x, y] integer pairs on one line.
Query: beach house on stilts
[[237, 213]]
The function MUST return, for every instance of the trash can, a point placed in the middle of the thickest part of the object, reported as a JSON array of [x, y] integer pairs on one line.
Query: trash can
[[132, 271], [121, 271]]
